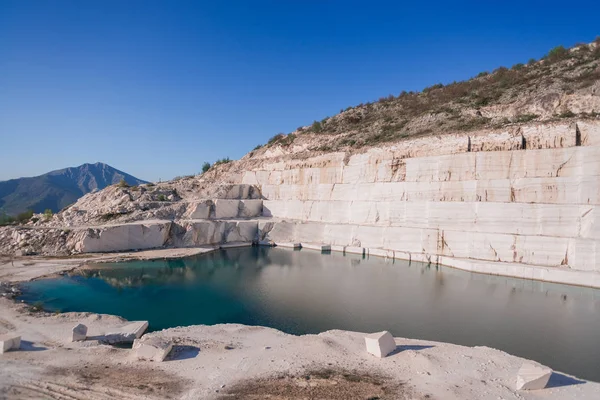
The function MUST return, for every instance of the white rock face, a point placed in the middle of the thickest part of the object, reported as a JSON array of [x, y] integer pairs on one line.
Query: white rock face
[[380, 344], [533, 376], [79, 333], [152, 348], [9, 341], [496, 203], [134, 236]]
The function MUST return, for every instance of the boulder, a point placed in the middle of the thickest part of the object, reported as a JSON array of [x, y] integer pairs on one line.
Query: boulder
[[79, 333], [152, 348], [380, 344], [533, 376], [8, 342]]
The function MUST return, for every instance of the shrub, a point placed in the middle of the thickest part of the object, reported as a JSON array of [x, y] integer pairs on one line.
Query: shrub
[[24, 216], [224, 160], [275, 138], [566, 114], [5, 219], [205, 167], [482, 74], [518, 66], [317, 127], [526, 117], [48, 213], [556, 54], [122, 183], [432, 87], [161, 197], [531, 61], [258, 146]]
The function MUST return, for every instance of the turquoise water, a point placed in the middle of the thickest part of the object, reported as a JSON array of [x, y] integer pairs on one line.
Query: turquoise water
[[304, 291]]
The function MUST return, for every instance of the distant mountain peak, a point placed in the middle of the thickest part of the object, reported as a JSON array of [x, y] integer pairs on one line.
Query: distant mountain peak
[[57, 189]]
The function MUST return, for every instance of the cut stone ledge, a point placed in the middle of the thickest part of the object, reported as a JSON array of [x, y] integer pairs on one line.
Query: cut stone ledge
[[234, 245], [152, 348], [79, 333], [380, 344], [9, 342], [289, 245], [319, 247], [533, 376]]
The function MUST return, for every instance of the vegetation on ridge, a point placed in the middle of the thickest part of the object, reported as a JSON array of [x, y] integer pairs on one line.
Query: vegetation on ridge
[[462, 106]]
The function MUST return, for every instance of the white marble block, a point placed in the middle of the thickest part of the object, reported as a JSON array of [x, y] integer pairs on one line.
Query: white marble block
[[290, 245], [126, 333], [152, 348], [79, 333], [380, 344], [9, 342], [533, 376], [319, 247]]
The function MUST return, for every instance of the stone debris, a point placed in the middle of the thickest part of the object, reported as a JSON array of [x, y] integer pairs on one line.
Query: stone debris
[[533, 376], [380, 344], [152, 348], [126, 333], [9, 342], [79, 333]]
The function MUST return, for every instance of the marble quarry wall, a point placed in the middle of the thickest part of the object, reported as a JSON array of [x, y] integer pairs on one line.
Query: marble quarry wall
[[527, 198]]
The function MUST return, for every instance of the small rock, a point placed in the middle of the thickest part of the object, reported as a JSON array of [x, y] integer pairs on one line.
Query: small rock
[[380, 344], [533, 376], [79, 333]]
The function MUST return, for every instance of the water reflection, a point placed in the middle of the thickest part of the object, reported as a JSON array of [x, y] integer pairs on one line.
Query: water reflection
[[307, 292]]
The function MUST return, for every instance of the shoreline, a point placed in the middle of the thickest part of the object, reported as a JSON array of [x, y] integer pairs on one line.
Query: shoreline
[[219, 361], [556, 275]]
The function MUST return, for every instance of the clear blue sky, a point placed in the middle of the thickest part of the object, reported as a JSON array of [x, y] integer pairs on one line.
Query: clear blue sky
[[157, 87]]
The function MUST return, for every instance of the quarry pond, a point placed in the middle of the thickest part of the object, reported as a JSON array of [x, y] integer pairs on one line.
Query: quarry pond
[[304, 292]]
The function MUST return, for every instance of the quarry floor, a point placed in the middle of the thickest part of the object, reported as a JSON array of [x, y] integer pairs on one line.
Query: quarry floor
[[241, 362]]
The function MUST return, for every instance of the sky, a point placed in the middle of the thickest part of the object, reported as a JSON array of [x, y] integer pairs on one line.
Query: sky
[[156, 88]]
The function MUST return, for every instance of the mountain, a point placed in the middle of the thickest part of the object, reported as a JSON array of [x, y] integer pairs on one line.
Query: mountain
[[57, 189]]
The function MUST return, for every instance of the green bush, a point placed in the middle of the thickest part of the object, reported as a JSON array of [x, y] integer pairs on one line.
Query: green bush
[[317, 127], [205, 167], [122, 183], [24, 216], [48, 213], [161, 197], [224, 160], [5, 219], [556, 54], [276, 138], [526, 117]]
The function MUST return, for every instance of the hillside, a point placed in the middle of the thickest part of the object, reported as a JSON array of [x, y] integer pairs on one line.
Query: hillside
[[562, 85], [57, 189]]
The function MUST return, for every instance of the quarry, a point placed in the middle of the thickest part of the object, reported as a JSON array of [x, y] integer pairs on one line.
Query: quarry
[[507, 187]]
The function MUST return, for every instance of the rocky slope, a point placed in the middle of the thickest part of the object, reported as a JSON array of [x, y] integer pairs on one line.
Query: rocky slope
[[57, 189]]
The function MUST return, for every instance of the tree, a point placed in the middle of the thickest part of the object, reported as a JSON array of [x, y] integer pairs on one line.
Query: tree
[[205, 166], [48, 213]]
